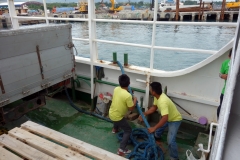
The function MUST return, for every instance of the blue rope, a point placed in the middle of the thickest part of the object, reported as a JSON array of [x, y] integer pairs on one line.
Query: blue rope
[[147, 148]]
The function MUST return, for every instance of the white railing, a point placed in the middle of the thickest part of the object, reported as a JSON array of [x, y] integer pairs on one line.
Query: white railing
[[157, 47], [209, 140], [45, 11], [50, 18], [226, 24], [231, 89], [93, 40]]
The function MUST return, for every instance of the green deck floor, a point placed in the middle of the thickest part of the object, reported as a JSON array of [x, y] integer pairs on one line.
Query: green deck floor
[[60, 116]]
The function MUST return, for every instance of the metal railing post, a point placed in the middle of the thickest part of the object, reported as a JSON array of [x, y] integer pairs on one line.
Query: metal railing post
[[45, 11], [12, 12], [92, 43], [153, 34], [220, 135]]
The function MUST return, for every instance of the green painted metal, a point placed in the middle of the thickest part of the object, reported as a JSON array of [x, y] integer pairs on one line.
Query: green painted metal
[[73, 90], [55, 92], [165, 90], [125, 59], [105, 82], [196, 124], [83, 77], [92, 105], [114, 57], [114, 84], [109, 83], [141, 100], [203, 139], [58, 115], [77, 82], [86, 81], [82, 96]]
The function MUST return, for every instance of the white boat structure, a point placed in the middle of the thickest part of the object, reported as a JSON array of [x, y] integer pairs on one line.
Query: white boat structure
[[196, 88], [171, 5]]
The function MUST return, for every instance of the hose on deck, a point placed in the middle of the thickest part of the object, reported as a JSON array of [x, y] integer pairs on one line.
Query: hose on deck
[[147, 148], [83, 111]]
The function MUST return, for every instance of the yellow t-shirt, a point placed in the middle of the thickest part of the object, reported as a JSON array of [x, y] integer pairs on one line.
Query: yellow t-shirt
[[166, 106], [120, 103]]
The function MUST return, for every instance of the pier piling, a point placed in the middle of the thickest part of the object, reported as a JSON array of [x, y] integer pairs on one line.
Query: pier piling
[[230, 17], [177, 9], [200, 7]]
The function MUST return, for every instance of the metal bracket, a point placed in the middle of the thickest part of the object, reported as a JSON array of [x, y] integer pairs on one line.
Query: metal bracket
[[67, 76], [45, 85], [1, 116], [70, 45], [39, 61], [8, 115], [4, 102], [25, 92], [1, 85]]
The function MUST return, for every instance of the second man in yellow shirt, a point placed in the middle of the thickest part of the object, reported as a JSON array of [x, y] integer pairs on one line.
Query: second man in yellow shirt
[[122, 102]]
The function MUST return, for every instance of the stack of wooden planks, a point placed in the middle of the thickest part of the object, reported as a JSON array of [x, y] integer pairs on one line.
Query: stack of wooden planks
[[35, 142]]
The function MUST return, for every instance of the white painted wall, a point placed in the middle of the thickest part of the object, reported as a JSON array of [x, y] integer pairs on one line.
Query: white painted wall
[[197, 89]]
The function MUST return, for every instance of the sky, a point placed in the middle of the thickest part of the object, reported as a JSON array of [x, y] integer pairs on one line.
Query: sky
[[51, 1]]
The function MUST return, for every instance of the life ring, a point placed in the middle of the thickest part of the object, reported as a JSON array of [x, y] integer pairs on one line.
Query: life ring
[[167, 16]]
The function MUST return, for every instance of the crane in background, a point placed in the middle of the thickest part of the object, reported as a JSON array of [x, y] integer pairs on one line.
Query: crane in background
[[233, 5], [113, 9], [83, 6]]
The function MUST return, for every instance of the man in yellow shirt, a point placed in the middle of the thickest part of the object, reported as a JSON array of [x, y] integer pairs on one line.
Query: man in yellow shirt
[[122, 101], [171, 118]]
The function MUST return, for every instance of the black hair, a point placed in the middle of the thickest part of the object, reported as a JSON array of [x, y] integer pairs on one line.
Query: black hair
[[124, 80], [230, 53], [156, 87]]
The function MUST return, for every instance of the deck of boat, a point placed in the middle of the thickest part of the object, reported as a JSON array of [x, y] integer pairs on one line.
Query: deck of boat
[[83, 129]]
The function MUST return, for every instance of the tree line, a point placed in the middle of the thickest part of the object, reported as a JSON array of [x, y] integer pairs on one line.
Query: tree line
[[139, 4]]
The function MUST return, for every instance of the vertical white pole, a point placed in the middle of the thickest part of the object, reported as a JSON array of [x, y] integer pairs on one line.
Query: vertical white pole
[[12, 12], [92, 44], [45, 11], [147, 92], [153, 34], [152, 50]]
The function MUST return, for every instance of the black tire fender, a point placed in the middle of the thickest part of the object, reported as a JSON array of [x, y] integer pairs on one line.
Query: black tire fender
[[167, 15]]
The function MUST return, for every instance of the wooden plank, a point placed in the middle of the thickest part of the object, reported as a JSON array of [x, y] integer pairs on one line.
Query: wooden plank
[[75, 144], [23, 149], [6, 155], [46, 146]]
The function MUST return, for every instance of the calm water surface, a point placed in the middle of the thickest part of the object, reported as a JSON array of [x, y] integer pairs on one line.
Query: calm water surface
[[196, 37]]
